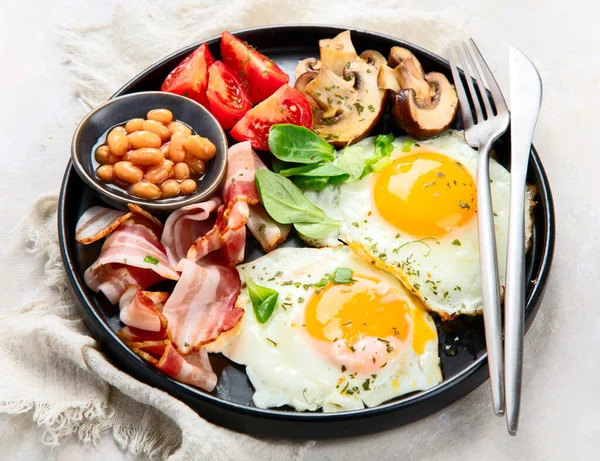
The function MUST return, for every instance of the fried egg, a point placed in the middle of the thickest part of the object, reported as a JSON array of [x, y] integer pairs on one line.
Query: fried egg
[[335, 346], [417, 219]]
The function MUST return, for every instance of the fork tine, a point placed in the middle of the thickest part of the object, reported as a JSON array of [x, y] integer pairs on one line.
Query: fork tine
[[465, 109], [499, 101], [479, 82], [474, 97]]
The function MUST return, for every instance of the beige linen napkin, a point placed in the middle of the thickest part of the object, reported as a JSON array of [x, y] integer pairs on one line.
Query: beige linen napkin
[[51, 366]]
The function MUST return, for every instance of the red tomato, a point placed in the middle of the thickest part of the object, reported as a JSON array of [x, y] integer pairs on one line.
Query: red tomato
[[190, 77], [286, 105], [261, 74], [228, 100]]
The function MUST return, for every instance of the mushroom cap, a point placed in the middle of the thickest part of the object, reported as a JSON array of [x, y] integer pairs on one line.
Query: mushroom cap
[[424, 120], [307, 65], [373, 57], [346, 108], [337, 52]]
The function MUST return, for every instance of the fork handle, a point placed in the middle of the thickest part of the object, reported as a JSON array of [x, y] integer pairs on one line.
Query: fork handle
[[488, 262]]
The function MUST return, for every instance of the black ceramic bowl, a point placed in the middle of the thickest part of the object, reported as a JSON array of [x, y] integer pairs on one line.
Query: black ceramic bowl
[[461, 341], [92, 131]]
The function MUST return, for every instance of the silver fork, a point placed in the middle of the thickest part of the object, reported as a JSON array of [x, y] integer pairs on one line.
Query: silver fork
[[481, 131]]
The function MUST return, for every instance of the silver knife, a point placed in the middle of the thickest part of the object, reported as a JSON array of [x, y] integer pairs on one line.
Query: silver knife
[[525, 102]]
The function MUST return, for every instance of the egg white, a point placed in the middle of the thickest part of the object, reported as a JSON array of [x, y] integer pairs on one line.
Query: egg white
[[287, 366], [445, 276]]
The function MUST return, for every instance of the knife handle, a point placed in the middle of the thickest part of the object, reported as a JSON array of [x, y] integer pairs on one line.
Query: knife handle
[[514, 300], [490, 290]]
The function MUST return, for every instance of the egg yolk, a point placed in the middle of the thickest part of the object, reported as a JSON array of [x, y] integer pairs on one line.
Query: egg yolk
[[365, 308], [425, 194]]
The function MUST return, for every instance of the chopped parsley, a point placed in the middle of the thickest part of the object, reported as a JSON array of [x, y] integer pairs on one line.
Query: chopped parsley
[[456, 242], [151, 260]]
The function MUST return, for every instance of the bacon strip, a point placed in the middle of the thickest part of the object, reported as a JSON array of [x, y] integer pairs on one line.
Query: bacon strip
[[97, 222], [134, 246], [202, 305], [187, 225], [142, 309], [194, 369]]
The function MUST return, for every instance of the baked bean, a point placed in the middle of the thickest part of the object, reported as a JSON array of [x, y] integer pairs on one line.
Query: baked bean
[[187, 187], [176, 150], [157, 128], [163, 116], [102, 154], [127, 172], [145, 157], [160, 172], [178, 126], [135, 124], [200, 147], [139, 139], [145, 189], [105, 173], [169, 188], [165, 149], [181, 170], [196, 165], [118, 144]]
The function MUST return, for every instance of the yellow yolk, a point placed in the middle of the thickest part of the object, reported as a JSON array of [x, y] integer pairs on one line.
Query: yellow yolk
[[366, 308], [426, 194]]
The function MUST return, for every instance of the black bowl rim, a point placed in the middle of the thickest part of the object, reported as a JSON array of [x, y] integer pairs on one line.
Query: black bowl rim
[[205, 191], [477, 368]]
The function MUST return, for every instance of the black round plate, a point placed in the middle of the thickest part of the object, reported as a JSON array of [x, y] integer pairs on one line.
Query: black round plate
[[461, 342]]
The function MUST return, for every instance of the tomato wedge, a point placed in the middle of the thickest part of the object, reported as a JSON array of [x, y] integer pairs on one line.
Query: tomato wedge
[[228, 100], [286, 105], [190, 77], [261, 74]]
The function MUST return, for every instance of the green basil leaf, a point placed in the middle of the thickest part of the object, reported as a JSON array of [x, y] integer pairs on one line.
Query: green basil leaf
[[284, 202], [343, 275], [298, 144], [317, 230], [263, 299], [352, 161], [310, 182], [320, 169]]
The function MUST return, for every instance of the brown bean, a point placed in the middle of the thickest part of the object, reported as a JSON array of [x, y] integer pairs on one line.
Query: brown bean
[[135, 124], [118, 144], [157, 128], [163, 116], [145, 157], [196, 165], [165, 149], [169, 188], [200, 147], [145, 189], [188, 187], [181, 170], [127, 172], [178, 126], [105, 173], [160, 172], [139, 139], [176, 150], [102, 154]]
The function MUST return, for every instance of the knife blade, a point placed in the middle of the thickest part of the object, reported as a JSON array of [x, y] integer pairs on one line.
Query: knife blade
[[525, 99]]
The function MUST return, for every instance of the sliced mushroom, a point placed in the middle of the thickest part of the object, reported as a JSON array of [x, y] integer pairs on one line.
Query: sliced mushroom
[[387, 80], [426, 104], [346, 107], [307, 65], [397, 55], [373, 57], [337, 52]]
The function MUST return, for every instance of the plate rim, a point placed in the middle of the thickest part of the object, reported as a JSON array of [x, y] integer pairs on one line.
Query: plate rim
[[533, 301]]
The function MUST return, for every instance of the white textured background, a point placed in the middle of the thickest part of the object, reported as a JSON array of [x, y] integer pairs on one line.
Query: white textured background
[[560, 417]]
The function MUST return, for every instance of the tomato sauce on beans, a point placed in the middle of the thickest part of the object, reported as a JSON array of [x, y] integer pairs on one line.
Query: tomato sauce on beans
[[154, 158]]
